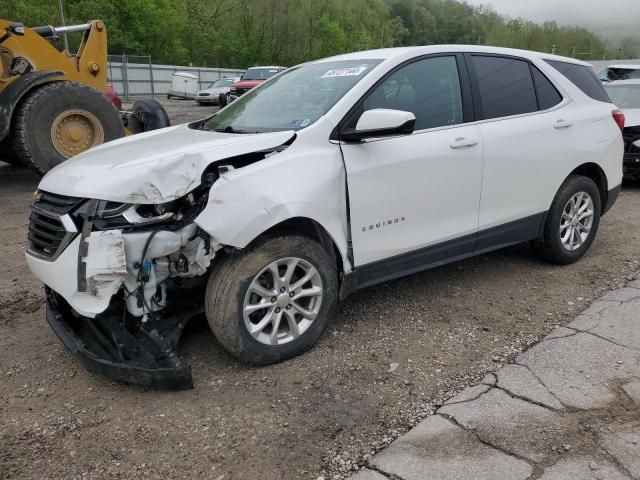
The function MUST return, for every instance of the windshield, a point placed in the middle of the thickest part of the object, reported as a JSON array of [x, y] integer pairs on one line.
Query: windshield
[[294, 99], [610, 74], [259, 73], [624, 96], [223, 82]]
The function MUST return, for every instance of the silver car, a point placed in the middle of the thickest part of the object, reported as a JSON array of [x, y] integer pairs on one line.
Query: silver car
[[209, 96]]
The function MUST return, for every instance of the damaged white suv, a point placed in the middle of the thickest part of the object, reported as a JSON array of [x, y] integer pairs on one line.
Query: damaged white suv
[[331, 176]]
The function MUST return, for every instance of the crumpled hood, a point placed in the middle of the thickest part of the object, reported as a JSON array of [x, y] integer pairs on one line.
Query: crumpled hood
[[153, 167]]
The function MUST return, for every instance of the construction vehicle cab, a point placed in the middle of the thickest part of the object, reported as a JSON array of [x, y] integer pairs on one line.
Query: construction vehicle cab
[[51, 101]]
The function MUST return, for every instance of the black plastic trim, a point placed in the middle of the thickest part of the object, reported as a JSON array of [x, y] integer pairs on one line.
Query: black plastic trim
[[98, 346], [494, 238], [612, 196]]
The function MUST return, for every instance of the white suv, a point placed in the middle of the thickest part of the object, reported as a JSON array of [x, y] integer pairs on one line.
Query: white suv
[[330, 177]]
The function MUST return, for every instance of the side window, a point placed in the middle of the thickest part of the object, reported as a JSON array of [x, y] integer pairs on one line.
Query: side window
[[428, 88], [506, 87], [582, 77], [548, 96]]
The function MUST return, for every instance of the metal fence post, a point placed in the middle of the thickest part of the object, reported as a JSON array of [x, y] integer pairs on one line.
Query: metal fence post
[[153, 90], [125, 78]]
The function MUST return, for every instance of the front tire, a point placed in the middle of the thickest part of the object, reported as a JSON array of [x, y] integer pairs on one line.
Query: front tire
[[273, 301], [572, 221]]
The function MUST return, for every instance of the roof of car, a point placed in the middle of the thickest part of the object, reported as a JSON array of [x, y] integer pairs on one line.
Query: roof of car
[[390, 53], [266, 66], [631, 81], [630, 66]]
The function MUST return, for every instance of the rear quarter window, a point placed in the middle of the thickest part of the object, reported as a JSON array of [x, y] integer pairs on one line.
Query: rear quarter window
[[582, 77]]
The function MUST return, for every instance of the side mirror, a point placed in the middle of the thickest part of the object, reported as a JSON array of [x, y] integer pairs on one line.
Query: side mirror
[[381, 122]]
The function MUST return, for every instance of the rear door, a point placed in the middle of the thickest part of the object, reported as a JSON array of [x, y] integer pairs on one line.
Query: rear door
[[529, 139]]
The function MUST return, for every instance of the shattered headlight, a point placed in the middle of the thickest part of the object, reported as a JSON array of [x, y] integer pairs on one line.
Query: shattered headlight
[[171, 215]]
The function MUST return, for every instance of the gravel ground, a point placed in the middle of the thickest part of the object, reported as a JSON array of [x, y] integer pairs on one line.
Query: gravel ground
[[392, 353]]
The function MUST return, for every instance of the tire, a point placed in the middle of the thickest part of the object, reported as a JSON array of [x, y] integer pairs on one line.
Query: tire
[[32, 137], [228, 288], [550, 245], [8, 154], [222, 100], [148, 115]]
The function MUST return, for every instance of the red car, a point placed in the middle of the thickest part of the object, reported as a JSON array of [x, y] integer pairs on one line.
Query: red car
[[111, 95], [253, 77]]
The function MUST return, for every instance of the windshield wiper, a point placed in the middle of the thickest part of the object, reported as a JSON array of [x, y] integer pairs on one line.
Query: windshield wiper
[[230, 129]]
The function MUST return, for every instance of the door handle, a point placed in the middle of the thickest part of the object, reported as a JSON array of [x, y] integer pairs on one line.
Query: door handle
[[562, 123], [463, 143]]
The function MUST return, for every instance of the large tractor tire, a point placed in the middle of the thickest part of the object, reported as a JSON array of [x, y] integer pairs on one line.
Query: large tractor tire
[[147, 115], [59, 120], [8, 154]]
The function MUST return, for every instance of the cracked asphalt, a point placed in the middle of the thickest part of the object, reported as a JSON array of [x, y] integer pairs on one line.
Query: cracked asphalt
[[568, 408], [393, 354]]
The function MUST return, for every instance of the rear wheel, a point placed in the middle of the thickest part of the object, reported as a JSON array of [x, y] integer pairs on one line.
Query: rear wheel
[[572, 221], [272, 302], [60, 120]]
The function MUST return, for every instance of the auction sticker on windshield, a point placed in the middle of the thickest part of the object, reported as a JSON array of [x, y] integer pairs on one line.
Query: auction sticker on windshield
[[345, 72]]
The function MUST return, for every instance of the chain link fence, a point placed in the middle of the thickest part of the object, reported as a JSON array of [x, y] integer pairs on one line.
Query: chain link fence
[[136, 76]]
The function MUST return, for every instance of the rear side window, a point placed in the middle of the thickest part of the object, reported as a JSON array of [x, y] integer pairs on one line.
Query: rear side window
[[582, 77], [548, 96], [506, 87]]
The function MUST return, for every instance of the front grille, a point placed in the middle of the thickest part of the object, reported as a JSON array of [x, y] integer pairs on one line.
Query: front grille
[[45, 234], [54, 203], [203, 94], [239, 91], [50, 225]]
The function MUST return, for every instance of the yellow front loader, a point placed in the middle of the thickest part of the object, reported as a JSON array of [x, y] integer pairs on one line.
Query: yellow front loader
[[51, 102]]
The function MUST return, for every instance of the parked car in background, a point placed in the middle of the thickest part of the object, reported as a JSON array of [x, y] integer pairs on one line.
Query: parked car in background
[[619, 72], [111, 94], [211, 94], [626, 95], [253, 77], [334, 175]]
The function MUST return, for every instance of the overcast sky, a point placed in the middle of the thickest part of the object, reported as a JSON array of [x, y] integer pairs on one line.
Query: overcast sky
[[608, 17]]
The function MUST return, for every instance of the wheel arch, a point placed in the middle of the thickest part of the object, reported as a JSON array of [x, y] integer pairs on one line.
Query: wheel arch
[[309, 228], [596, 173]]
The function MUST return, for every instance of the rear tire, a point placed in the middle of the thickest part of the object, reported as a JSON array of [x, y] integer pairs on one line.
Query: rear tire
[[59, 120], [556, 244], [230, 296]]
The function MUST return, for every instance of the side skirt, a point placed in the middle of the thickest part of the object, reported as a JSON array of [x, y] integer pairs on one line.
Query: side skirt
[[494, 238]]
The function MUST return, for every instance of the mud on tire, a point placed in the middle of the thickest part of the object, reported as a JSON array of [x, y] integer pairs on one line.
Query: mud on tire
[[229, 282], [32, 136]]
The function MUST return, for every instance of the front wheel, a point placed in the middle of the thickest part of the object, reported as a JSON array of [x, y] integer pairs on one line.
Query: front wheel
[[273, 301], [572, 221]]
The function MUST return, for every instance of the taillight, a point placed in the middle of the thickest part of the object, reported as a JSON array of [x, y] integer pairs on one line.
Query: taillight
[[618, 116]]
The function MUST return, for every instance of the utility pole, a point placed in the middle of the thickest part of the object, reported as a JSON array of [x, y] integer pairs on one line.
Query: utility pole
[[64, 35], [553, 49]]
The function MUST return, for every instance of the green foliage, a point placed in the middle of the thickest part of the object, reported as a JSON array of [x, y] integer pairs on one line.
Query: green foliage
[[241, 33]]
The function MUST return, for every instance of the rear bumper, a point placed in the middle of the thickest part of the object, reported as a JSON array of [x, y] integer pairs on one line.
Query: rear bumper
[[144, 354]]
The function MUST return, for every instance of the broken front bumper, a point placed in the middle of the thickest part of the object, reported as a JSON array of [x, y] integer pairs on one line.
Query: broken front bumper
[[143, 354]]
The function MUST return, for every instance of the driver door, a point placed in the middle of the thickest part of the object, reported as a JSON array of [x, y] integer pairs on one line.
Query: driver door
[[414, 199]]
